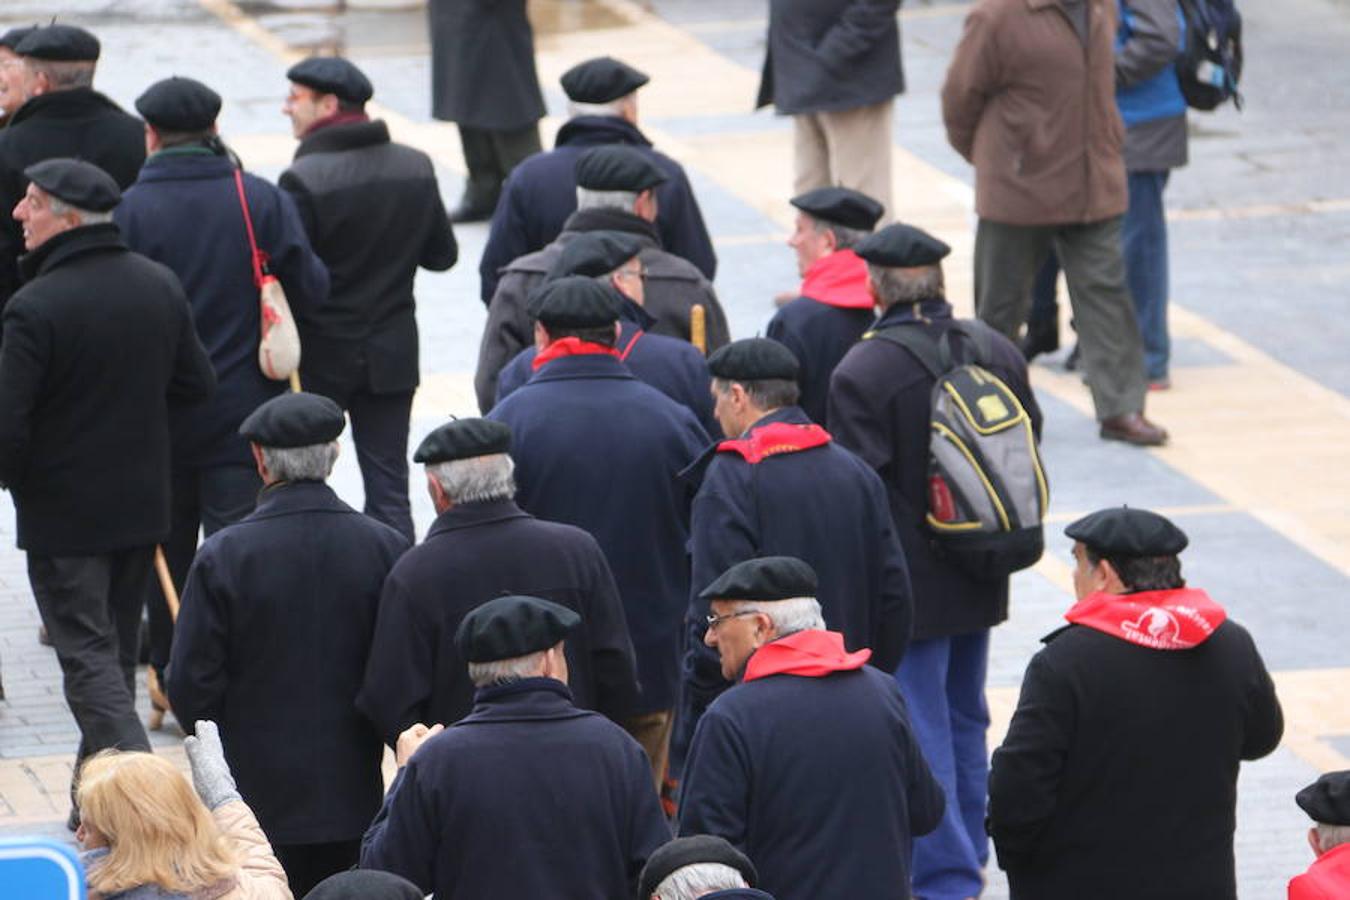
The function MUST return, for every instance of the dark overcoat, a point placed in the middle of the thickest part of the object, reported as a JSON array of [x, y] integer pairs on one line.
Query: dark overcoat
[[373, 213], [880, 405], [527, 797], [482, 64], [830, 55], [471, 554], [79, 123], [1120, 766], [97, 343], [277, 618], [673, 286], [596, 448], [541, 192], [818, 335], [797, 770], [184, 212]]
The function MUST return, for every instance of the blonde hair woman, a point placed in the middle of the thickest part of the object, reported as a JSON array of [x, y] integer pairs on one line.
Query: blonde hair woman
[[150, 836]]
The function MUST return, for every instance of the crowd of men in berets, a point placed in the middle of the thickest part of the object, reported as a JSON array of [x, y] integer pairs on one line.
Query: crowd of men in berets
[[664, 593]]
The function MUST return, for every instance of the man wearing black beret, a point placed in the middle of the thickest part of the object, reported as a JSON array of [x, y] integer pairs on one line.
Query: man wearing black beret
[[539, 196], [1327, 802], [474, 551], [616, 191], [184, 211], [811, 748], [98, 342], [700, 865], [55, 112], [1143, 705], [529, 796], [672, 366], [880, 407], [834, 307], [277, 619], [373, 212], [11, 71]]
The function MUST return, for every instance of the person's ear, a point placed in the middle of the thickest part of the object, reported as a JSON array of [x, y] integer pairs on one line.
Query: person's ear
[[1313, 842], [258, 461]]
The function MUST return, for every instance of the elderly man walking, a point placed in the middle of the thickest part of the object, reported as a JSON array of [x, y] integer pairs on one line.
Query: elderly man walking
[[1327, 802]]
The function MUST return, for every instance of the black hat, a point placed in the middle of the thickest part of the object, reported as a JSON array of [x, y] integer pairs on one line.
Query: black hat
[[12, 37], [1122, 531], [688, 851], [765, 579], [332, 75], [365, 884], [462, 439], [840, 206], [1327, 800], [601, 80], [511, 626], [615, 167], [753, 359], [74, 181], [595, 253], [179, 104], [901, 247], [294, 420], [59, 43], [574, 301]]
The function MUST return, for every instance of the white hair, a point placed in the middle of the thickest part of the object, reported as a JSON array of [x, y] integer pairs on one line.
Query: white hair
[[788, 616], [612, 108], [1329, 837], [899, 286], [477, 479], [310, 463], [503, 671], [844, 238], [60, 207], [693, 881], [621, 200]]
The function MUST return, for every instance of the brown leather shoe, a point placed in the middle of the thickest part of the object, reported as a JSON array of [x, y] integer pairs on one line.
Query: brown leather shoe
[[1133, 428]]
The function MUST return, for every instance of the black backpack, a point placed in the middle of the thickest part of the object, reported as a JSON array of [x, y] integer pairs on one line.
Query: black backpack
[[987, 493], [1210, 64]]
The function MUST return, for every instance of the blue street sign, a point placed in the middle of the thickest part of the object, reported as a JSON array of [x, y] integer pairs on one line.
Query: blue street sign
[[39, 869]]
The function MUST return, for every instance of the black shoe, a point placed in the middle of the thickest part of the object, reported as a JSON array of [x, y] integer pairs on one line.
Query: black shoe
[[1040, 337], [1071, 364], [471, 212], [44, 638]]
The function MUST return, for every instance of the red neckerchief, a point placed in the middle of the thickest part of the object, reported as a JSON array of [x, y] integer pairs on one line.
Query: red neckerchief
[[570, 346], [1160, 620], [807, 653], [775, 438], [337, 118], [838, 279]]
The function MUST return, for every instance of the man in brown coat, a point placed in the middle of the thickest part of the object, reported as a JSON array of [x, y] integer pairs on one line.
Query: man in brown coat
[[1030, 101]]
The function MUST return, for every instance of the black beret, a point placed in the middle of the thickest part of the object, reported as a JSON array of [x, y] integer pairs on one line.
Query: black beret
[[615, 167], [595, 253], [365, 884], [766, 578], [76, 182], [511, 626], [12, 37], [59, 43], [601, 80], [688, 851], [1122, 531], [840, 206], [574, 301], [901, 247], [753, 359], [1327, 800], [462, 439], [179, 104], [294, 420], [332, 75]]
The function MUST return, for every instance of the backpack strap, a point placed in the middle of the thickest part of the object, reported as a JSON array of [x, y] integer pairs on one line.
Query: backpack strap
[[937, 355], [922, 347]]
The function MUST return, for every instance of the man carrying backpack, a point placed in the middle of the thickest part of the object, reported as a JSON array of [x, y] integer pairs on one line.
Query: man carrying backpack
[[880, 407]]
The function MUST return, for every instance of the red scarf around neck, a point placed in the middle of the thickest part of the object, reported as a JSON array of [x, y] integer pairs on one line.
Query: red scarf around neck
[[570, 346], [838, 279], [811, 654], [1160, 620]]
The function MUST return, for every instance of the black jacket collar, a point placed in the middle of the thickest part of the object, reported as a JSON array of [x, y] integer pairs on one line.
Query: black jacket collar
[[613, 220], [592, 131], [522, 701], [473, 514], [69, 244], [185, 167], [900, 313], [591, 365], [286, 497], [63, 104], [347, 136]]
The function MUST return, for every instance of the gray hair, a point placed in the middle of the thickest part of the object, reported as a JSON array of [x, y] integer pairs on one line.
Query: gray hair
[[310, 463], [1329, 837], [505, 671], [60, 207], [844, 238], [621, 200], [788, 616], [693, 881], [906, 286], [765, 393], [612, 108], [62, 75], [477, 479]]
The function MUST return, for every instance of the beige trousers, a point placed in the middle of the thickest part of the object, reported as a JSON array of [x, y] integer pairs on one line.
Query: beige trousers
[[850, 148], [652, 731]]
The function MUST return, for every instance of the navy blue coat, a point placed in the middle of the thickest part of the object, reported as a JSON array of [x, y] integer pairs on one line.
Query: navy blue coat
[[820, 781], [830, 55], [471, 554], [596, 448], [541, 193], [818, 335], [183, 211], [880, 405], [277, 618], [527, 797]]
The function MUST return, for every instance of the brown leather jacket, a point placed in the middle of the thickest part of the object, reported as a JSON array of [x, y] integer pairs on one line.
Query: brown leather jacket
[[1033, 108]]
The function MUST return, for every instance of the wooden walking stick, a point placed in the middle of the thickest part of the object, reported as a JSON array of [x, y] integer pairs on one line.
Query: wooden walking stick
[[295, 382], [698, 327], [159, 701]]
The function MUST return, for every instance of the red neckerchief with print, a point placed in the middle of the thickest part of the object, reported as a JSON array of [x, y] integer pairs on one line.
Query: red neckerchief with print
[[775, 438], [838, 279], [1160, 620], [570, 346], [811, 654]]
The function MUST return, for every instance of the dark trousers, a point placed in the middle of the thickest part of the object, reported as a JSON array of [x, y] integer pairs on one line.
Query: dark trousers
[[308, 864], [1145, 247], [490, 156], [91, 608]]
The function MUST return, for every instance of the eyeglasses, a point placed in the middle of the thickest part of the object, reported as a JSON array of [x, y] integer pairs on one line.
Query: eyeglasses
[[640, 273], [714, 621]]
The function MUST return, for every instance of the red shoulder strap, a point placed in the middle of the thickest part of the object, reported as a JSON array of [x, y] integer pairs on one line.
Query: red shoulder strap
[[258, 258]]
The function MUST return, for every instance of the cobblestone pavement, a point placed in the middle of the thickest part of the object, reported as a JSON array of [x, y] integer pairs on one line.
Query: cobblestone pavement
[[1260, 412]]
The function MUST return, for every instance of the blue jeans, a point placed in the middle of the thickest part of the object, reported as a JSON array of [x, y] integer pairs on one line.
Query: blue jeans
[[943, 682], [1144, 241]]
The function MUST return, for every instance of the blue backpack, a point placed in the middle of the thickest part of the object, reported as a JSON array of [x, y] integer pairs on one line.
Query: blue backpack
[[1211, 55]]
